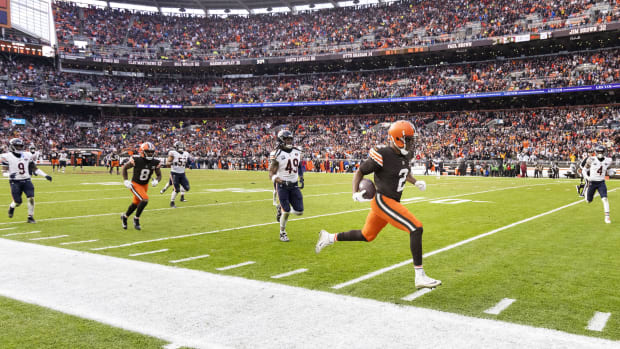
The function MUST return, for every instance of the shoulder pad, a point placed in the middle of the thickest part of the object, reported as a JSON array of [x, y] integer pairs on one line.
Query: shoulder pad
[[376, 156]]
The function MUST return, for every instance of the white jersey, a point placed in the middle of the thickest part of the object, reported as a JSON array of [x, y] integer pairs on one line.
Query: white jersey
[[288, 163], [36, 155], [179, 161], [63, 156], [598, 169], [18, 166]]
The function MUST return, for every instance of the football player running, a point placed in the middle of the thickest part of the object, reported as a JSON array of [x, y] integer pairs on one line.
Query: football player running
[[35, 153], [178, 158], [144, 165], [594, 171], [18, 166], [391, 168], [285, 171], [114, 162]]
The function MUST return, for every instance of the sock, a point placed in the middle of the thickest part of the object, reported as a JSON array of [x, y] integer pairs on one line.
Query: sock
[[31, 207], [351, 235], [141, 207], [283, 220], [167, 185], [13, 205], [173, 196], [415, 243], [130, 209], [419, 270], [605, 206]]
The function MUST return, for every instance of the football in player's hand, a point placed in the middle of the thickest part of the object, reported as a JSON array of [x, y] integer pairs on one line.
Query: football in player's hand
[[369, 186]]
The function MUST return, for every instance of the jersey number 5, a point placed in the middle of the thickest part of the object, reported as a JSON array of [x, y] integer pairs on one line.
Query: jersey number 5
[[293, 168], [144, 174]]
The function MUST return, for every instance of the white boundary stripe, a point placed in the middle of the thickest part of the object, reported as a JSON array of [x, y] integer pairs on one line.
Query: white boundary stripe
[[449, 247], [94, 287], [49, 237], [293, 272], [500, 306], [235, 266], [29, 232], [149, 252], [263, 224], [8, 228], [189, 259], [598, 321], [78, 242], [417, 294]]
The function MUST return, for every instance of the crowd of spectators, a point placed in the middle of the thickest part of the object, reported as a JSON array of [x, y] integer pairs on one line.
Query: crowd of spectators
[[120, 33], [553, 134], [33, 78]]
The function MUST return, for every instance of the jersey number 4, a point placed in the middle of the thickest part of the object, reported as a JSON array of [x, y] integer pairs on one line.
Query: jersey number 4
[[600, 171], [292, 168]]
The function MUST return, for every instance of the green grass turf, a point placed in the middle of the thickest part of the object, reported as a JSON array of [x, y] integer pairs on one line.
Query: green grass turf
[[30, 326], [560, 268]]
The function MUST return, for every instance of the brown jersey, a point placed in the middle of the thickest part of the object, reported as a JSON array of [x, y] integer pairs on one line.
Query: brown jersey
[[390, 169], [143, 169]]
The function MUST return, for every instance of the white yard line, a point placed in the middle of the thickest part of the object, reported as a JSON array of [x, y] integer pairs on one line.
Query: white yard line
[[49, 237], [78, 242], [293, 272], [8, 228], [235, 266], [272, 222], [500, 306], [189, 259], [197, 309], [417, 294], [149, 252], [26, 233], [598, 321], [449, 247]]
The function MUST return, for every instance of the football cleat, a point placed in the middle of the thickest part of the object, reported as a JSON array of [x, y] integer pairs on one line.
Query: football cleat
[[424, 281], [284, 237], [278, 213], [172, 205], [124, 221], [183, 198], [136, 223], [324, 241], [11, 211], [607, 220], [31, 220]]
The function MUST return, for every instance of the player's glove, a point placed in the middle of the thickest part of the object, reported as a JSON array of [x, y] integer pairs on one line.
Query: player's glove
[[421, 185], [301, 183], [5, 174], [155, 182], [359, 196], [48, 177], [127, 184]]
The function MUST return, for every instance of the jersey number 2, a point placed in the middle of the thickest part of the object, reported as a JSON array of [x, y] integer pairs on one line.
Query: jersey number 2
[[402, 175]]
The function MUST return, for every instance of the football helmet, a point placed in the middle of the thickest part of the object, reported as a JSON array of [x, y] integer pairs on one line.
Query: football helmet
[[402, 135], [16, 145], [600, 152], [179, 146], [32, 148], [285, 139], [147, 150]]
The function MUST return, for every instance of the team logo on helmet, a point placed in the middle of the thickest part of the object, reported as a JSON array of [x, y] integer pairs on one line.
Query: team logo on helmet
[[147, 150], [402, 135], [179, 146], [285, 139], [16, 145], [600, 152]]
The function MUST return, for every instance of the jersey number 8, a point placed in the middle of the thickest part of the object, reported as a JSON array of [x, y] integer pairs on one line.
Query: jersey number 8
[[144, 174]]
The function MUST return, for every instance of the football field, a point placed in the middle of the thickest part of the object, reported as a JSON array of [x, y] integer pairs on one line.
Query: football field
[[519, 250]]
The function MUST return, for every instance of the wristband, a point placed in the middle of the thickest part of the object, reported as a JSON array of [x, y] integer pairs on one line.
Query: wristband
[[39, 172], [274, 177]]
